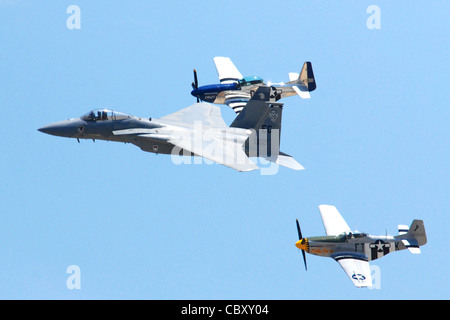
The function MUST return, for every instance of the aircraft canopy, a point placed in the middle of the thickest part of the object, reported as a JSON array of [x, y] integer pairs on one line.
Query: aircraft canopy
[[248, 81], [104, 114]]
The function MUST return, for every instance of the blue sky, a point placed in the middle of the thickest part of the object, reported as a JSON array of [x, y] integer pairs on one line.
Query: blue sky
[[374, 141]]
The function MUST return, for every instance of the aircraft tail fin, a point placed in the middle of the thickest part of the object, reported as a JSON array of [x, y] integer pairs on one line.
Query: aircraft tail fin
[[263, 116], [259, 112], [304, 82], [307, 77], [414, 236]]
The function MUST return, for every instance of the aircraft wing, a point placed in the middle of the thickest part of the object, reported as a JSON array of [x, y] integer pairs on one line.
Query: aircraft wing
[[213, 140], [332, 220], [218, 147], [206, 113], [357, 268], [226, 70]]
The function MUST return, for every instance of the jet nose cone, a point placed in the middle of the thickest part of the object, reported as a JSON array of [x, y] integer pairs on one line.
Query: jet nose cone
[[46, 129], [60, 129]]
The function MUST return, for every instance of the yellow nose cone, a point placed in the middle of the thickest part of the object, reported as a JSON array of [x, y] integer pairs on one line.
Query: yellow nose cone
[[303, 244]]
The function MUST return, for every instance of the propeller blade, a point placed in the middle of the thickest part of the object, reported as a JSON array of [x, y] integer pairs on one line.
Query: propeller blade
[[195, 83], [300, 237], [304, 260], [299, 231]]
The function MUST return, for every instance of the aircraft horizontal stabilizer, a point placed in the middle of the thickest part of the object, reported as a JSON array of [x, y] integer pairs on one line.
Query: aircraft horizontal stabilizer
[[288, 162], [412, 245], [293, 76], [402, 229], [301, 94]]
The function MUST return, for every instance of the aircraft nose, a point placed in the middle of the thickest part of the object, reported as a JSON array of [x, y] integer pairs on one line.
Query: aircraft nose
[[303, 244], [46, 129], [60, 129]]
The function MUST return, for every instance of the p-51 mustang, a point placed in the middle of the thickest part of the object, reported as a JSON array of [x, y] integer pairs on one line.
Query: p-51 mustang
[[198, 130], [354, 250], [235, 90]]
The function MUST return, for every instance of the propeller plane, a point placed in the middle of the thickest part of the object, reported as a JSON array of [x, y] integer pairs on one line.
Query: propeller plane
[[354, 250], [235, 90]]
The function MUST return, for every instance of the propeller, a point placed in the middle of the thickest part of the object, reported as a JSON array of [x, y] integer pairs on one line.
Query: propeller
[[300, 237], [195, 83]]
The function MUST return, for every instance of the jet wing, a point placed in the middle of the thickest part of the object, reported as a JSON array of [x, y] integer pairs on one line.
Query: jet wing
[[206, 113], [214, 140], [332, 220], [200, 129], [218, 147], [357, 268], [226, 70]]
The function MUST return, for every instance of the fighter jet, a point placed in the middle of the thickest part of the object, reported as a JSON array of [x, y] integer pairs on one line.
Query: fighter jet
[[235, 90], [354, 250], [198, 130]]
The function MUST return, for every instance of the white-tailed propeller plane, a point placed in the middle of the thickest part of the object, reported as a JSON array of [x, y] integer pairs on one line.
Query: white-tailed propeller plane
[[198, 130], [235, 90], [354, 250]]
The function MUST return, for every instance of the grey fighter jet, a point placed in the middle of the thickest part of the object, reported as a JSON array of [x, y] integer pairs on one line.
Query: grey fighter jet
[[198, 130], [354, 250]]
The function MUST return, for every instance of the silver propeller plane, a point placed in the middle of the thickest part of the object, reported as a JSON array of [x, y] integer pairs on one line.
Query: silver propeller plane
[[198, 130], [354, 250]]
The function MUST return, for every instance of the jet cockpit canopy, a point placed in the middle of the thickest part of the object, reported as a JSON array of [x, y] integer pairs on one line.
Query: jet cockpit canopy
[[104, 114]]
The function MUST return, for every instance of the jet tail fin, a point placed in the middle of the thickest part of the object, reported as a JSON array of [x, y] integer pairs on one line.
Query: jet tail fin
[[259, 112], [263, 116]]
